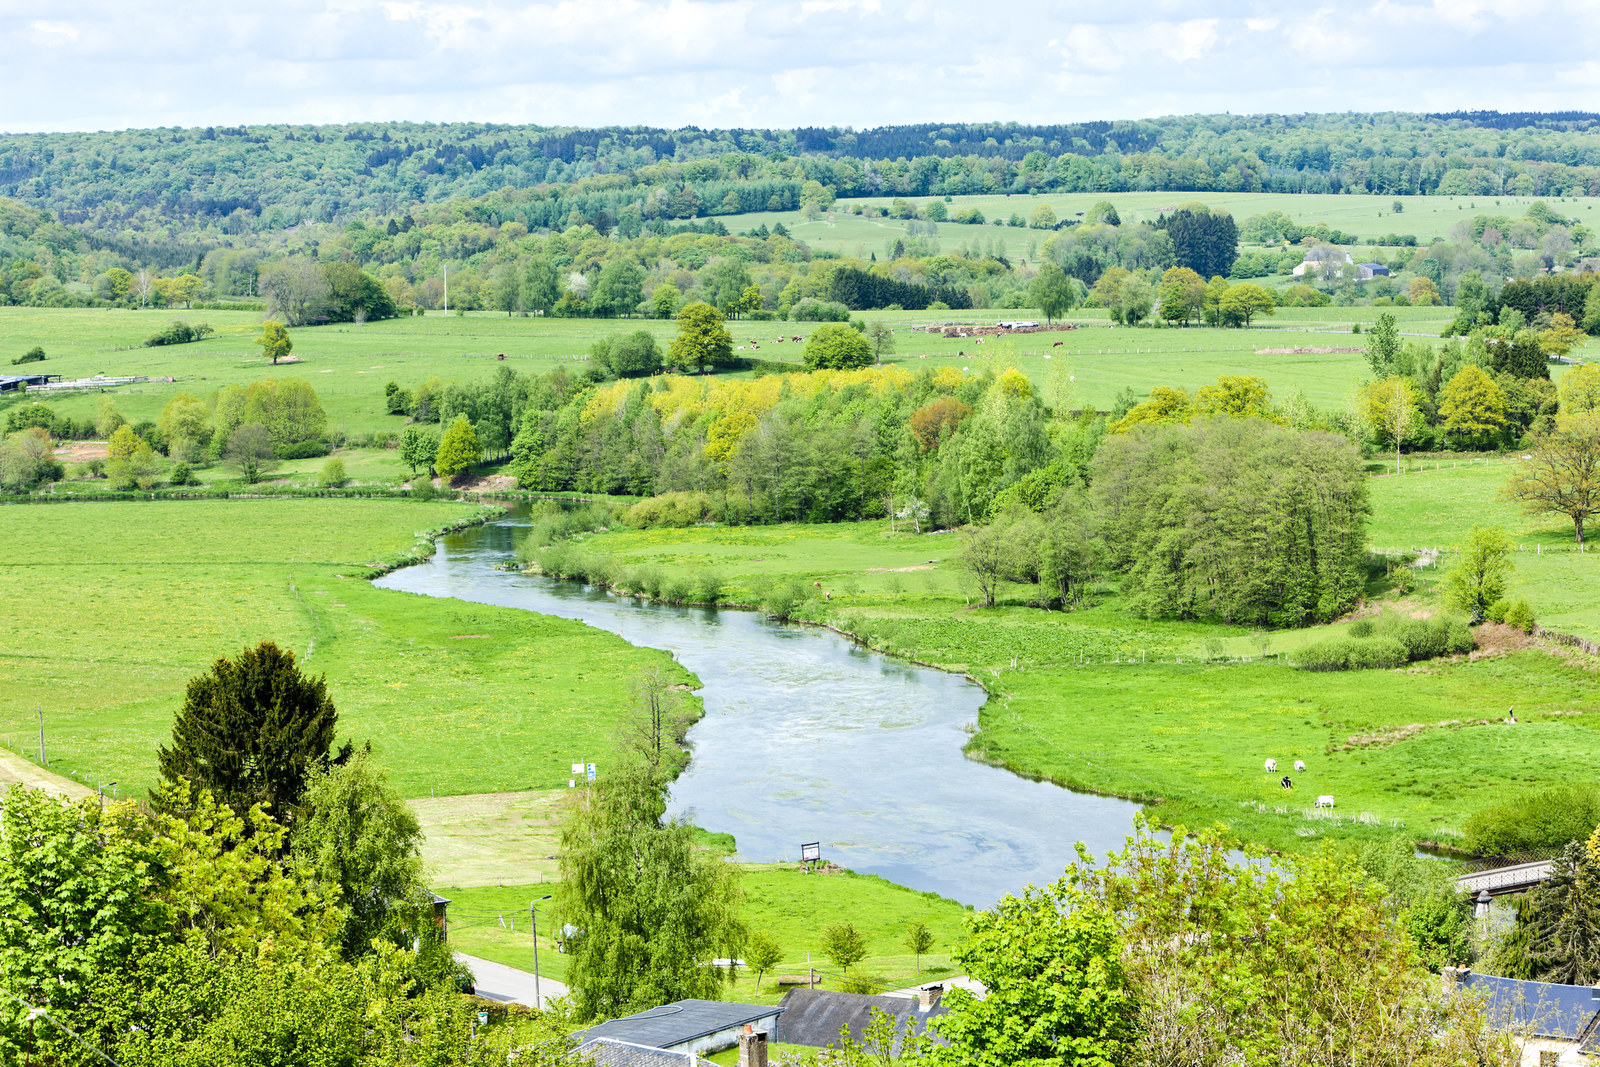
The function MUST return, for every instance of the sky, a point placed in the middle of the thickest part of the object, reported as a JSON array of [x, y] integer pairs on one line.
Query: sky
[[112, 64]]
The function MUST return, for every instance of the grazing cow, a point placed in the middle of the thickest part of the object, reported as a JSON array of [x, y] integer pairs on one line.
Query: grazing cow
[[502, 355], [741, 348], [828, 595], [1299, 765], [1324, 802], [1286, 782], [1057, 344], [816, 585], [780, 340], [1272, 764], [797, 338]]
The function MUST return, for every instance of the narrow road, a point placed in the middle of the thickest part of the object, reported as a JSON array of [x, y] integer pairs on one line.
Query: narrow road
[[496, 981]]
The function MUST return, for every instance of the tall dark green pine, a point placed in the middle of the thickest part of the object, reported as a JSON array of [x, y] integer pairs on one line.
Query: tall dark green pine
[[251, 731]]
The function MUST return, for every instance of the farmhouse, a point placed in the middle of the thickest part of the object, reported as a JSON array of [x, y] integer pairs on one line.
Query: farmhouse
[[691, 1027]]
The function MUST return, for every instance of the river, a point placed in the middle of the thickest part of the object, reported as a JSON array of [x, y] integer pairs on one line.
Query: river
[[809, 737]]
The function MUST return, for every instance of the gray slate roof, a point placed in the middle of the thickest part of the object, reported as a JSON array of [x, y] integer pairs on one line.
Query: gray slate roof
[[678, 1022], [815, 1016], [609, 1052], [1549, 1010]]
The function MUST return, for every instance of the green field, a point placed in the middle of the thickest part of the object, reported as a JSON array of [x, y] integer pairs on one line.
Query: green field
[[1366, 216], [349, 365], [117, 605], [790, 907]]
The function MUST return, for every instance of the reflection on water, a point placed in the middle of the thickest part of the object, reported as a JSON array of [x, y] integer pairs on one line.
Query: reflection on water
[[808, 737]]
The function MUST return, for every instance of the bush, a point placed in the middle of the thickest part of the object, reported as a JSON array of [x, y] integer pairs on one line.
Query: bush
[[1329, 654], [869, 984], [1361, 628], [1497, 611], [1520, 615], [677, 589], [1390, 641], [670, 509], [784, 600], [333, 473], [1379, 653], [179, 332], [32, 355], [182, 475], [422, 489], [1547, 819], [708, 588], [810, 309]]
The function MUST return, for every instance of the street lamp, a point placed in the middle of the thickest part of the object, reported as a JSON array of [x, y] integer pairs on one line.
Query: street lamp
[[533, 917]]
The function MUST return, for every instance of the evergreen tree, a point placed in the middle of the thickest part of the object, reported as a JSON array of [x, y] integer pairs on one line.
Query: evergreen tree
[[252, 731]]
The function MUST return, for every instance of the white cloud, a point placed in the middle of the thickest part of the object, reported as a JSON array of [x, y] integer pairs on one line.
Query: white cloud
[[113, 63]]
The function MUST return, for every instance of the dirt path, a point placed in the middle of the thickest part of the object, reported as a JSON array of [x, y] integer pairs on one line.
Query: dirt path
[[14, 770]]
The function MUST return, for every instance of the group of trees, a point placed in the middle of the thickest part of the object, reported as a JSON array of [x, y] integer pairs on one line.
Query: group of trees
[[251, 427], [265, 906]]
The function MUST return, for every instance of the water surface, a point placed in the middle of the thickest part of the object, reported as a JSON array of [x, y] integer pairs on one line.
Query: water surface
[[809, 737]]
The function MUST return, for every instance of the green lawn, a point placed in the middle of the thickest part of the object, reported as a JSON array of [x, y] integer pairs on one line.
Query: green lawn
[[791, 907], [117, 605]]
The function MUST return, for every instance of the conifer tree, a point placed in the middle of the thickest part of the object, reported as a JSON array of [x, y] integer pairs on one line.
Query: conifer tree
[[252, 730]]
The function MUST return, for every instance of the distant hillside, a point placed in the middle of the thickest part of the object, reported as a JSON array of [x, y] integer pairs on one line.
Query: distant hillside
[[189, 183]]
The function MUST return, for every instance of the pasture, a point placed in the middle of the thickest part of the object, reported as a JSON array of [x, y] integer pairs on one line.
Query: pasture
[[119, 604], [1366, 216], [790, 907], [348, 365]]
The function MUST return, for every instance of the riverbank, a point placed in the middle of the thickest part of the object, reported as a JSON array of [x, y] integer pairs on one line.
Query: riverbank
[[1178, 714]]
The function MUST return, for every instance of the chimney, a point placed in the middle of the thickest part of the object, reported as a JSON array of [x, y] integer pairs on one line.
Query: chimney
[[752, 1048], [928, 996]]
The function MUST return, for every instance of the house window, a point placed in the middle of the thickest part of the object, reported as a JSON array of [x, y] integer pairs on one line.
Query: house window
[[1549, 1058]]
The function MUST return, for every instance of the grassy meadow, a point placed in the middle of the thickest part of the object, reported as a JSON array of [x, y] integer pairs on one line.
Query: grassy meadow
[[348, 365], [791, 907], [1367, 216], [117, 605], [1103, 700]]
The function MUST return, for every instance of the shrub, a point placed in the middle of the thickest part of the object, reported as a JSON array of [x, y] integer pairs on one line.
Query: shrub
[[422, 489], [810, 309], [333, 473], [1547, 819], [179, 332], [32, 355], [1379, 653], [1520, 615], [1497, 611], [784, 600], [869, 984], [677, 589], [1361, 628], [301, 449], [182, 475], [670, 509], [708, 587]]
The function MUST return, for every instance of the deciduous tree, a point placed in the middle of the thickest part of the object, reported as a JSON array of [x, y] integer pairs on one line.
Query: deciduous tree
[[458, 451], [703, 340], [1562, 472], [1481, 574], [1473, 406], [1389, 407], [836, 346], [274, 341], [419, 445], [843, 944]]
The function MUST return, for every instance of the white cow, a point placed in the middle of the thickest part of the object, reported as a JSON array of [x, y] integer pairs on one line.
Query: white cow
[[1299, 764], [1324, 802], [1272, 764]]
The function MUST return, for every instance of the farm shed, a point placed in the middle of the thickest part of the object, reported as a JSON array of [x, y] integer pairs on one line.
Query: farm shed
[[1562, 1022], [815, 1017], [688, 1026], [10, 383], [1373, 270]]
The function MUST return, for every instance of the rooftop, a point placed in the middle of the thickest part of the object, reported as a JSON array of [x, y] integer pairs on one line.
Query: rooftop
[[610, 1052], [679, 1022], [814, 1017], [1547, 1009]]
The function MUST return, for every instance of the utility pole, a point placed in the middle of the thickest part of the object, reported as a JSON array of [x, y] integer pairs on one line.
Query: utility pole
[[533, 917]]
